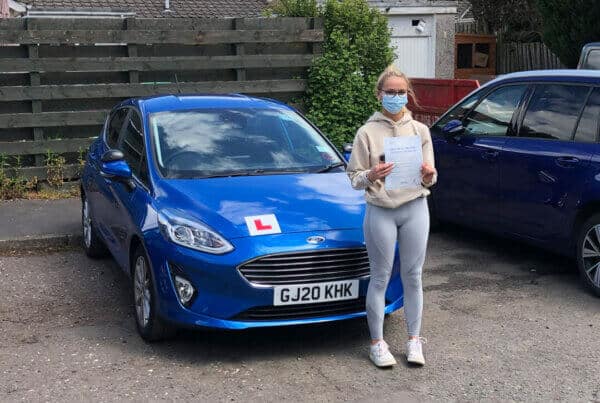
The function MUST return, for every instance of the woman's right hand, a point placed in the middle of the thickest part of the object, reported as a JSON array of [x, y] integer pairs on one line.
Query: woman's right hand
[[380, 171]]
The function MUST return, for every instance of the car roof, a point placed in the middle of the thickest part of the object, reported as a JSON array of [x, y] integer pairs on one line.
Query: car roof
[[162, 103], [581, 76], [591, 45]]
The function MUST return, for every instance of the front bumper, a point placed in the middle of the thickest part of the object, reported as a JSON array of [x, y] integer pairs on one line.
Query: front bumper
[[225, 297]]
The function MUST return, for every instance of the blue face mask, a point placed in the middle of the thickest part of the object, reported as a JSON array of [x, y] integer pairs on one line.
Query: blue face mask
[[394, 103]]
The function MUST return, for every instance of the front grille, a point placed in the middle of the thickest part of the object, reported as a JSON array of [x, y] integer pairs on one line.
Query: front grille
[[303, 311], [307, 267]]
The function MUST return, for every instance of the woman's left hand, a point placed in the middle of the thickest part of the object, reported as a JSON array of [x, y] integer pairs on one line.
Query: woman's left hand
[[427, 172]]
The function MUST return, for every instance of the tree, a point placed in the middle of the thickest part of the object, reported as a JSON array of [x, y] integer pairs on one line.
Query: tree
[[568, 25], [510, 19], [293, 8]]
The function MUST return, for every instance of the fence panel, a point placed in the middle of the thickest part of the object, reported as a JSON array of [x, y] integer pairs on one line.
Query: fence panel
[[435, 96], [59, 77], [516, 56]]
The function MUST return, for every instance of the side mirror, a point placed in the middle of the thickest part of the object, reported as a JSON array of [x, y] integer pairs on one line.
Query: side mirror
[[347, 148], [453, 128], [114, 167], [112, 155]]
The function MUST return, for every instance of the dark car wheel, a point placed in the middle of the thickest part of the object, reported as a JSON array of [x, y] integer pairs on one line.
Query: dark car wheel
[[149, 325], [434, 222], [588, 253], [92, 244]]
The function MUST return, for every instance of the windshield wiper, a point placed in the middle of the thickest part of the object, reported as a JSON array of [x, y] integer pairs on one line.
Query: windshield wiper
[[330, 167], [279, 171], [254, 172], [227, 174]]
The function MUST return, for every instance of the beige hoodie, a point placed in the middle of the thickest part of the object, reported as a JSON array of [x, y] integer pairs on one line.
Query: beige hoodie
[[368, 146]]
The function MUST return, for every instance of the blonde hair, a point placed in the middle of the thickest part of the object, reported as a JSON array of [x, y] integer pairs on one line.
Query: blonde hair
[[393, 71]]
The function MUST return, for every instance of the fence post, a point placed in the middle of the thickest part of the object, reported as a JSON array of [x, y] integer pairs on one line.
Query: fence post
[[240, 50], [132, 51], [36, 105], [316, 47]]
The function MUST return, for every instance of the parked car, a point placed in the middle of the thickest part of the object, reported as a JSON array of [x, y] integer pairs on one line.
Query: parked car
[[590, 57], [520, 156], [226, 212]]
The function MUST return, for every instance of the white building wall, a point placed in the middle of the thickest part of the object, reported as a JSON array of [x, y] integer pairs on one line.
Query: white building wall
[[413, 39]]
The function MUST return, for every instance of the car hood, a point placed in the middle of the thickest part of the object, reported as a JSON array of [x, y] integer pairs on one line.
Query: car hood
[[300, 202]]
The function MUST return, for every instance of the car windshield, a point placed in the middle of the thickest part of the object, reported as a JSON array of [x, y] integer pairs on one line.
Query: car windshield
[[593, 60], [246, 141]]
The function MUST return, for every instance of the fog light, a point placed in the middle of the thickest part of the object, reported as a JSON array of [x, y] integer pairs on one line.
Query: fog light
[[185, 290]]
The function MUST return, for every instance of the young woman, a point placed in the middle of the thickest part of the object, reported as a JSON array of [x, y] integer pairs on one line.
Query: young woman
[[393, 215]]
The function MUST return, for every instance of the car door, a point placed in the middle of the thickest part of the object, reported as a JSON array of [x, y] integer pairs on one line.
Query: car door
[[468, 162], [99, 194], [130, 203], [543, 169]]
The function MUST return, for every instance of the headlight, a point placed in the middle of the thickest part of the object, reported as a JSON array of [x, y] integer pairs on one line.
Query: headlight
[[191, 234]]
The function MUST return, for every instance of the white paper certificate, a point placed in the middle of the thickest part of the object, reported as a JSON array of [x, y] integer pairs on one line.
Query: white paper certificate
[[407, 155]]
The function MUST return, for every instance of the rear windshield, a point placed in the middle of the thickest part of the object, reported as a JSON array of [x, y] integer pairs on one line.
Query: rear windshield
[[225, 142], [592, 61]]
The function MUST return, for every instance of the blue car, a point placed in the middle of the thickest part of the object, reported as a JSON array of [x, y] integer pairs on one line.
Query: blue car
[[521, 157], [226, 212]]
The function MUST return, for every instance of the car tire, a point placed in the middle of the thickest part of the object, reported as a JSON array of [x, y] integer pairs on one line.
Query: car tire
[[150, 326], [588, 253], [92, 244], [434, 222]]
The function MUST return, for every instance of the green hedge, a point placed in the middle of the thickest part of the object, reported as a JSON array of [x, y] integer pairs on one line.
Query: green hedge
[[340, 94]]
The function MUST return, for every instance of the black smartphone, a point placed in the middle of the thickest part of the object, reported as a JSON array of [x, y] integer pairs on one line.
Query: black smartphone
[[382, 158]]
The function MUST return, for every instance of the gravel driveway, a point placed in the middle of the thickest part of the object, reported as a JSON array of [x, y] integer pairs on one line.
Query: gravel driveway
[[504, 322]]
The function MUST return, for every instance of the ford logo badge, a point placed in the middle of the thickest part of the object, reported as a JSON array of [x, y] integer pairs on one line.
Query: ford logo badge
[[315, 239]]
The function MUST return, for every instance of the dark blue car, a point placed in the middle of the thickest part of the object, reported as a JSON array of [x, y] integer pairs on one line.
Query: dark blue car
[[227, 212], [521, 157]]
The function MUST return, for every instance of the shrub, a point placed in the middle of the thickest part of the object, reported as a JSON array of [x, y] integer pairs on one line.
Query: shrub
[[55, 167], [12, 184], [340, 93], [568, 25]]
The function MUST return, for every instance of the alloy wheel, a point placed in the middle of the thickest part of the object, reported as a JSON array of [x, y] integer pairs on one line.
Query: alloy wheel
[[141, 289], [590, 255], [87, 224]]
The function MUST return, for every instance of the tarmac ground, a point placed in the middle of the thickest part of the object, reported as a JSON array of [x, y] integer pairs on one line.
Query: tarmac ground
[[503, 322]]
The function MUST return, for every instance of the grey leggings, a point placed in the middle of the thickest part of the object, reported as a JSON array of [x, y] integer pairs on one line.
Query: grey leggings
[[409, 226]]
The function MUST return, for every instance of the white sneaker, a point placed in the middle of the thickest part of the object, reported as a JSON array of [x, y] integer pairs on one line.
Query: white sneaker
[[414, 351], [381, 356]]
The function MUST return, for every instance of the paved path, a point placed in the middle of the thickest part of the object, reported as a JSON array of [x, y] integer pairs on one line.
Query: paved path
[[24, 222]]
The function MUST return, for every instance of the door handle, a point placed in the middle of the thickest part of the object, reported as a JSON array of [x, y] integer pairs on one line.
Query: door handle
[[567, 162], [489, 154]]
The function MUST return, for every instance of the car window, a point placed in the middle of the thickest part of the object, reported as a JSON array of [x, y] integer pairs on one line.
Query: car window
[[587, 129], [209, 142], [553, 110], [493, 114], [592, 61], [459, 111], [310, 147], [132, 144], [114, 127]]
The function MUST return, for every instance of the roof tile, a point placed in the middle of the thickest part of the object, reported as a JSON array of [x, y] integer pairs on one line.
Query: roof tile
[[156, 8]]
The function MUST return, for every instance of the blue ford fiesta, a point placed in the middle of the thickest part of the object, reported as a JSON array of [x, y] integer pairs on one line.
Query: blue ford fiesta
[[228, 212]]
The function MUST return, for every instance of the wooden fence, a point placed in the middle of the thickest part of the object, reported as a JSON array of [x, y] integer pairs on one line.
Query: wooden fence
[[59, 77], [515, 56]]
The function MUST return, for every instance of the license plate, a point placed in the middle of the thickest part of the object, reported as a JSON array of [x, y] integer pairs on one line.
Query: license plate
[[318, 292]]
